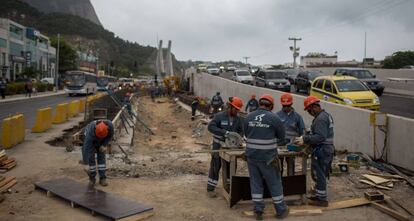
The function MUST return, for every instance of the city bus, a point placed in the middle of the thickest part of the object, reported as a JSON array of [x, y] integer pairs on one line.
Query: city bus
[[80, 82], [106, 82]]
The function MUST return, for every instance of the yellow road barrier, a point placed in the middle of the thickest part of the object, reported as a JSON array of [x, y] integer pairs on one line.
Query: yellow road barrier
[[73, 108], [43, 120], [13, 131], [61, 113], [81, 105]]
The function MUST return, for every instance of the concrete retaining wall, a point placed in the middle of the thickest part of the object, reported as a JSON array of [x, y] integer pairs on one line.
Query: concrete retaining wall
[[353, 130]]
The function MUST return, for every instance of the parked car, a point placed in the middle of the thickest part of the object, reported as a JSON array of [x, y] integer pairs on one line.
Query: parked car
[[345, 90], [243, 76], [231, 68], [292, 74], [48, 80], [254, 69], [365, 76], [213, 71], [408, 67], [272, 79], [304, 80], [201, 68]]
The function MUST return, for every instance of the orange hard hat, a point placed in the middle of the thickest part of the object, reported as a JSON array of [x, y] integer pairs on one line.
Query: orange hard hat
[[101, 130], [309, 101], [236, 102], [268, 97], [286, 99]]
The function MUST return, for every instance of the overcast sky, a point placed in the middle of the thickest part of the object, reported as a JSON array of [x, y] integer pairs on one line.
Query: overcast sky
[[216, 30]]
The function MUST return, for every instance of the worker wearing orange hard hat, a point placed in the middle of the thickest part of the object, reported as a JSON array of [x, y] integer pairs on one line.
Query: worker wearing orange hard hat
[[252, 104], [294, 126], [222, 125], [321, 140], [98, 134]]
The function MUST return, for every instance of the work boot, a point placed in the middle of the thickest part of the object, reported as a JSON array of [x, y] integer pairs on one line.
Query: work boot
[[315, 201], [211, 194], [284, 214], [258, 216], [103, 182], [92, 181]]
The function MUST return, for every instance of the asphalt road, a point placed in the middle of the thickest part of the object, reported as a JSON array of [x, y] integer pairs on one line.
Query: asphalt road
[[400, 105], [29, 107]]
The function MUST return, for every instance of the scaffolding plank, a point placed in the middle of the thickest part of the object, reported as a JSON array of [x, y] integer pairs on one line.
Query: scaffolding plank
[[98, 201]]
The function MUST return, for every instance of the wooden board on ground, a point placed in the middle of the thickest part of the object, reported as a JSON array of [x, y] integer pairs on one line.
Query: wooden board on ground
[[397, 215], [8, 161], [347, 204], [2, 153], [97, 201], [387, 176], [8, 166], [6, 180], [376, 179], [7, 184], [3, 158], [375, 185]]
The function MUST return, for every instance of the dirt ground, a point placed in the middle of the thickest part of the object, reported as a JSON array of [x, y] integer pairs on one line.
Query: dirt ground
[[165, 173]]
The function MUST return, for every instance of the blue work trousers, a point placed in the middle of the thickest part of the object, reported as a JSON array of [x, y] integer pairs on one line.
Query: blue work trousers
[[260, 171], [89, 158], [322, 157]]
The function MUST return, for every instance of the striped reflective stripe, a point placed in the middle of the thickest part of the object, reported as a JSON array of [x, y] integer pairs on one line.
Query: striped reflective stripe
[[277, 199], [257, 197], [101, 167], [261, 141], [261, 147], [328, 141], [212, 182], [292, 133]]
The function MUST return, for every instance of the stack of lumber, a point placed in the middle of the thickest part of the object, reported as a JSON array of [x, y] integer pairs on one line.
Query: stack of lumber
[[6, 163], [6, 183], [380, 181]]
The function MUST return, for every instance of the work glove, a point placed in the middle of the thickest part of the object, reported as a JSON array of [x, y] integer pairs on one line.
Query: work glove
[[226, 134], [102, 149], [298, 141]]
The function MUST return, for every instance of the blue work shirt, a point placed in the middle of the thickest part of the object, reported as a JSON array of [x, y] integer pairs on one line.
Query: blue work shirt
[[293, 123]]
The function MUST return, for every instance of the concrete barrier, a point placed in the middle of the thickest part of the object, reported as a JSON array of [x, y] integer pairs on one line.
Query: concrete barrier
[[61, 113], [73, 109], [81, 107], [354, 130], [13, 131], [43, 120]]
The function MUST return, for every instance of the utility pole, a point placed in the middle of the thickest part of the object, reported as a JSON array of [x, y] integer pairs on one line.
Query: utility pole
[[365, 50], [295, 50], [246, 58], [57, 64]]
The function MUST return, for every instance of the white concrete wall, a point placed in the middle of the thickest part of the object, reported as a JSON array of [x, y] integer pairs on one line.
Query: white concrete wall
[[353, 130]]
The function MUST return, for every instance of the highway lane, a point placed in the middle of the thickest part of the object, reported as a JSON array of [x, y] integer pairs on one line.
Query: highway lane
[[29, 107], [400, 105]]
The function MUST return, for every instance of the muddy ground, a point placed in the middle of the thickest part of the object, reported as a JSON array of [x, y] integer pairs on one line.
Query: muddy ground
[[165, 173]]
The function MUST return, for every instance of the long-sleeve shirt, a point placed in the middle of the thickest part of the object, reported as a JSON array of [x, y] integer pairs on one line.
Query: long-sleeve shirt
[[322, 130], [293, 123], [252, 105], [91, 141], [263, 130], [217, 101], [222, 123]]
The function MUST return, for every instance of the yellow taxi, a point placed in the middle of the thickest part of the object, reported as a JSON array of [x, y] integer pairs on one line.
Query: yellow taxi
[[345, 90]]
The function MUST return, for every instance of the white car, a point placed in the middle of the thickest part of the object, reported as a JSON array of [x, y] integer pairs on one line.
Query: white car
[[48, 80], [243, 76]]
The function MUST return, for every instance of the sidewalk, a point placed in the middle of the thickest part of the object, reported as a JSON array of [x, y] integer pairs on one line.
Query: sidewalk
[[19, 97]]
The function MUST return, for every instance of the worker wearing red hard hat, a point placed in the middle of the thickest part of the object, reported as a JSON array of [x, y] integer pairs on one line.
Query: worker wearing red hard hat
[[98, 134], [263, 130], [294, 125], [221, 126], [321, 139]]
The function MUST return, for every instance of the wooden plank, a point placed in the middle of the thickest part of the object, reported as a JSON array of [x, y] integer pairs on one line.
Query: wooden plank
[[8, 186], [387, 176], [8, 166], [8, 161], [391, 212], [7, 180], [2, 153], [374, 185], [347, 204], [376, 179], [3, 158], [138, 217]]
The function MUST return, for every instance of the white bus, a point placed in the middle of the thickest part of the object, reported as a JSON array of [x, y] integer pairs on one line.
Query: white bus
[[106, 82], [80, 82]]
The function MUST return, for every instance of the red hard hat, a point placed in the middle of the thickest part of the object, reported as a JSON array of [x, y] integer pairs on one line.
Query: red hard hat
[[268, 97], [236, 102], [309, 101], [286, 99], [101, 130]]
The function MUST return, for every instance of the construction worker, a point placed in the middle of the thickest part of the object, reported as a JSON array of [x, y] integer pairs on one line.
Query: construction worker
[[220, 126], [294, 126], [216, 103], [98, 134], [194, 106], [263, 129], [252, 105], [127, 102], [321, 140]]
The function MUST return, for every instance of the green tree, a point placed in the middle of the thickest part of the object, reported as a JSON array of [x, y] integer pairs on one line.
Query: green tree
[[67, 55], [399, 59]]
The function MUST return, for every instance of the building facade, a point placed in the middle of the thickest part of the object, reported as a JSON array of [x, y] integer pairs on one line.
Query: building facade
[[317, 60], [24, 47], [87, 62]]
